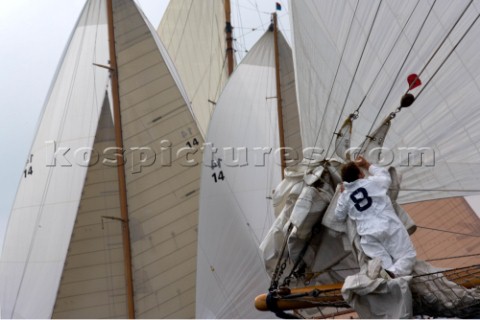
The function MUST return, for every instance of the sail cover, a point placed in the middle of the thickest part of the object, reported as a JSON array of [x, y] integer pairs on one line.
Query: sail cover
[[194, 34], [236, 185], [347, 51], [49, 193]]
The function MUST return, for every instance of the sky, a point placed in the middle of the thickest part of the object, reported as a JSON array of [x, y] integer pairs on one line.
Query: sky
[[33, 35]]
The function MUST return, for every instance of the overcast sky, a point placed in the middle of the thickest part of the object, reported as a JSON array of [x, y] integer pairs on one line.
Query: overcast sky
[[33, 35]]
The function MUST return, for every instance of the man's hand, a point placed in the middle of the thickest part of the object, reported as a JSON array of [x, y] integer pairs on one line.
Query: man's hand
[[342, 188], [362, 162]]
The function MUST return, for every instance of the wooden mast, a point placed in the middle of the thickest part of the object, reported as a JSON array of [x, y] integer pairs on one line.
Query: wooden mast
[[229, 37], [127, 256], [281, 134]]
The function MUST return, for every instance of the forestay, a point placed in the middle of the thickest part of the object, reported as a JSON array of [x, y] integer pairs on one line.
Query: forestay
[[336, 70]]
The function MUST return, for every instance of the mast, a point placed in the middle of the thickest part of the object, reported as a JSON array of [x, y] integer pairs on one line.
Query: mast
[[229, 37], [127, 256], [281, 134]]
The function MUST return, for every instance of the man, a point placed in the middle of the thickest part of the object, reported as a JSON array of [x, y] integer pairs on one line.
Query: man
[[382, 234]]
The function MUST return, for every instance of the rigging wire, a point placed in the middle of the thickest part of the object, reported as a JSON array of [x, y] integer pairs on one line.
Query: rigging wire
[[386, 59], [401, 67], [456, 257], [452, 232], [239, 16], [449, 54], [327, 104], [355, 73], [427, 260], [428, 61], [357, 111]]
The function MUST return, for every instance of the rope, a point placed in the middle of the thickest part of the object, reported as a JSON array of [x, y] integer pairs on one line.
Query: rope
[[452, 232], [355, 74], [392, 115], [388, 56], [456, 257], [335, 78], [431, 57], [400, 70], [357, 111], [446, 37], [449, 54], [272, 306]]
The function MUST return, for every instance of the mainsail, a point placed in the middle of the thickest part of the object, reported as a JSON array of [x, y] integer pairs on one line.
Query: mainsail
[[194, 33], [70, 203], [237, 181]]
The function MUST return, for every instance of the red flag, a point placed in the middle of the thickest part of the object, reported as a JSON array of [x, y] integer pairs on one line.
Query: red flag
[[413, 81]]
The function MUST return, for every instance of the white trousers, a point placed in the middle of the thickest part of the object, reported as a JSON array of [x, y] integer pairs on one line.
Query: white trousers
[[393, 247]]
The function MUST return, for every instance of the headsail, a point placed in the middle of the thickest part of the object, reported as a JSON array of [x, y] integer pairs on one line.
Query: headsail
[[437, 133], [160, 140], [194, 34], [48, 197], [236, 195]]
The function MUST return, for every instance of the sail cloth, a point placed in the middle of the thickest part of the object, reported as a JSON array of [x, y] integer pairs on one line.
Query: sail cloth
[[442, 121], [93, 279], [194, 34], [235, 202], [49, 193], [162, 195]]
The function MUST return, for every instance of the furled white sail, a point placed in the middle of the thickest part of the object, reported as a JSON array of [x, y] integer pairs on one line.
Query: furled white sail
[[48, 197], [162, 196], [194, 34], [237, 182], [335, 71]]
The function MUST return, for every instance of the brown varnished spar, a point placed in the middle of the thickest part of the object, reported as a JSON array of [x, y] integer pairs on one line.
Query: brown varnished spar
[[330, 295]]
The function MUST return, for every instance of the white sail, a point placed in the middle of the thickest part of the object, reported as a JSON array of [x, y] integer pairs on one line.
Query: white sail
[[442, 120], [48, 197], [162, 198], [77, 207], [235, 203], [93, 278], [194, 34]]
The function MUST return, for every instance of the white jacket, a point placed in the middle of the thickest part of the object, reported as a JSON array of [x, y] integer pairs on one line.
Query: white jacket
[[382, 234], [366, 201]]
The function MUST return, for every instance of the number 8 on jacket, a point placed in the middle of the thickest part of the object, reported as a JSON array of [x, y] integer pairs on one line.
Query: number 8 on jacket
[[359, 201]]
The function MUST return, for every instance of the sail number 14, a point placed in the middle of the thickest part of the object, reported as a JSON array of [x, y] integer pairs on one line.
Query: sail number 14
[[217, 164]]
